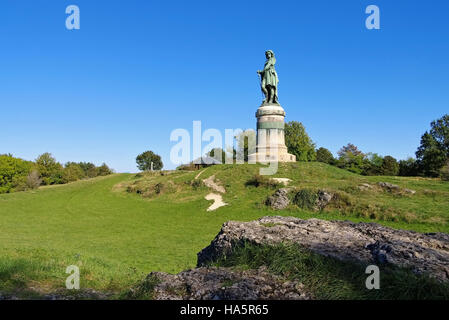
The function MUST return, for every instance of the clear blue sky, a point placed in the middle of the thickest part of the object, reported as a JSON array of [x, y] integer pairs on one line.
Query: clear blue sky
[[136, 70]]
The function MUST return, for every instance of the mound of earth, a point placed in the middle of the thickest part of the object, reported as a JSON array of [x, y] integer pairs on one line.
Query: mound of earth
[[367, 243]]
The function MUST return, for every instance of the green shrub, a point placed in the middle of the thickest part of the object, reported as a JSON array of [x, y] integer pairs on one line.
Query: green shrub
[[408, 168], [262, 181], [196, 184], [325, 156], [389, 167], [298, 142], [104, 170], [13, 172], [444, 172], [72, 172], [159, 187], [50, 170], [306, 199]]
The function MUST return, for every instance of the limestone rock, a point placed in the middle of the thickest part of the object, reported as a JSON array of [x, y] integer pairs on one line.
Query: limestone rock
[[224, 284], [365, 187], [324, 198], [279, 200], [394, 188], [367, 243]]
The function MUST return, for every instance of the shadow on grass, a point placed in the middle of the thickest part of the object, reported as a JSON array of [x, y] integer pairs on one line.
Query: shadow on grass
[[330, 279]]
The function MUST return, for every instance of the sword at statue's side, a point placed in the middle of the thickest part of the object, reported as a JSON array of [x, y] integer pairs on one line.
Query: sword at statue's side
[[259, 73]]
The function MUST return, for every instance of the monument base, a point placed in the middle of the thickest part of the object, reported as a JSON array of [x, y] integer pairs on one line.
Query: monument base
[[266, 157], [270, 145]]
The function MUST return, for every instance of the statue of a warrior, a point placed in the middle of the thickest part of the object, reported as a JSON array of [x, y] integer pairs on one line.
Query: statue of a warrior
[[269, 79]]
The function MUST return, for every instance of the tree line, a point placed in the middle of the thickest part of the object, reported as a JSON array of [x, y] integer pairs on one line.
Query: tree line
[[432, 155], [17, 174]]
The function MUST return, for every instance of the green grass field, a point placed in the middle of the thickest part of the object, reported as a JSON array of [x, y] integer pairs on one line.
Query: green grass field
[[117, 229]]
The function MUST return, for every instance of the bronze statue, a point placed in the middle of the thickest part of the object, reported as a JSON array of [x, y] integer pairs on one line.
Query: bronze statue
[[269, 79]]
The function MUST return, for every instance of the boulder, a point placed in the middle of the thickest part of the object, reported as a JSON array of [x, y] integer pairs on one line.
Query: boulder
[[220, 284], [323, 200], [394, 188], [366, 243], [279, 200]]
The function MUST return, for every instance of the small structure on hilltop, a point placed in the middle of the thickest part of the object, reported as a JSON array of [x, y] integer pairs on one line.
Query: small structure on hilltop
[[205, 161]]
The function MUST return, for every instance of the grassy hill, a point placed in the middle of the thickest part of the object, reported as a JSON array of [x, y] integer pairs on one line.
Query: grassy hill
[[121, 227]]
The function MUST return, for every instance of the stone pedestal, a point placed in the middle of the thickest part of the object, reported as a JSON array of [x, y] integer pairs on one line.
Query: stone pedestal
[[270, 136]]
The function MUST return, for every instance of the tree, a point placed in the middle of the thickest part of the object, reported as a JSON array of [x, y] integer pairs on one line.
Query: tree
[[408, 168], [33, 180], [352, 159], [50, 170], [349, 148], [104, 170], [350, 162], [433, 151], [13, 172], [372, 164], [218, 154], [298, 142], [246, 144], [72, 172], [444, 172], [90, 170], [389, 167], [145, 159], [324, 155], [430, 156]]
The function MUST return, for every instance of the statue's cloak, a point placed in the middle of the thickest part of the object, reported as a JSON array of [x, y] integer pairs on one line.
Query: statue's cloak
[[270, 77]]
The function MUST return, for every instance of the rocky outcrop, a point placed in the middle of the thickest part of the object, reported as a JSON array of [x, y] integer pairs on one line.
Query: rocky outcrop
[[367, 243], [279, 200], [220, 284], [394, 188], [36, 294], [323, 200]]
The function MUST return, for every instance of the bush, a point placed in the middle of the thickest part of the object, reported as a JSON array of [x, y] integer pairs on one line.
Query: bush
[[50, 170], [104, 170], [262, 181], [159, 187], [444, 172], [352, 163], [298, 142], [89, 169], [33, 180], [196, 184], [372, 164], [408, 168], [389, 167], [325, 156], [306, 199], [13, 172], [72, 172]]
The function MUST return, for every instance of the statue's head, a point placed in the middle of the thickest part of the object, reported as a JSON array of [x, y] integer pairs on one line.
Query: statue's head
[[269, 54]]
